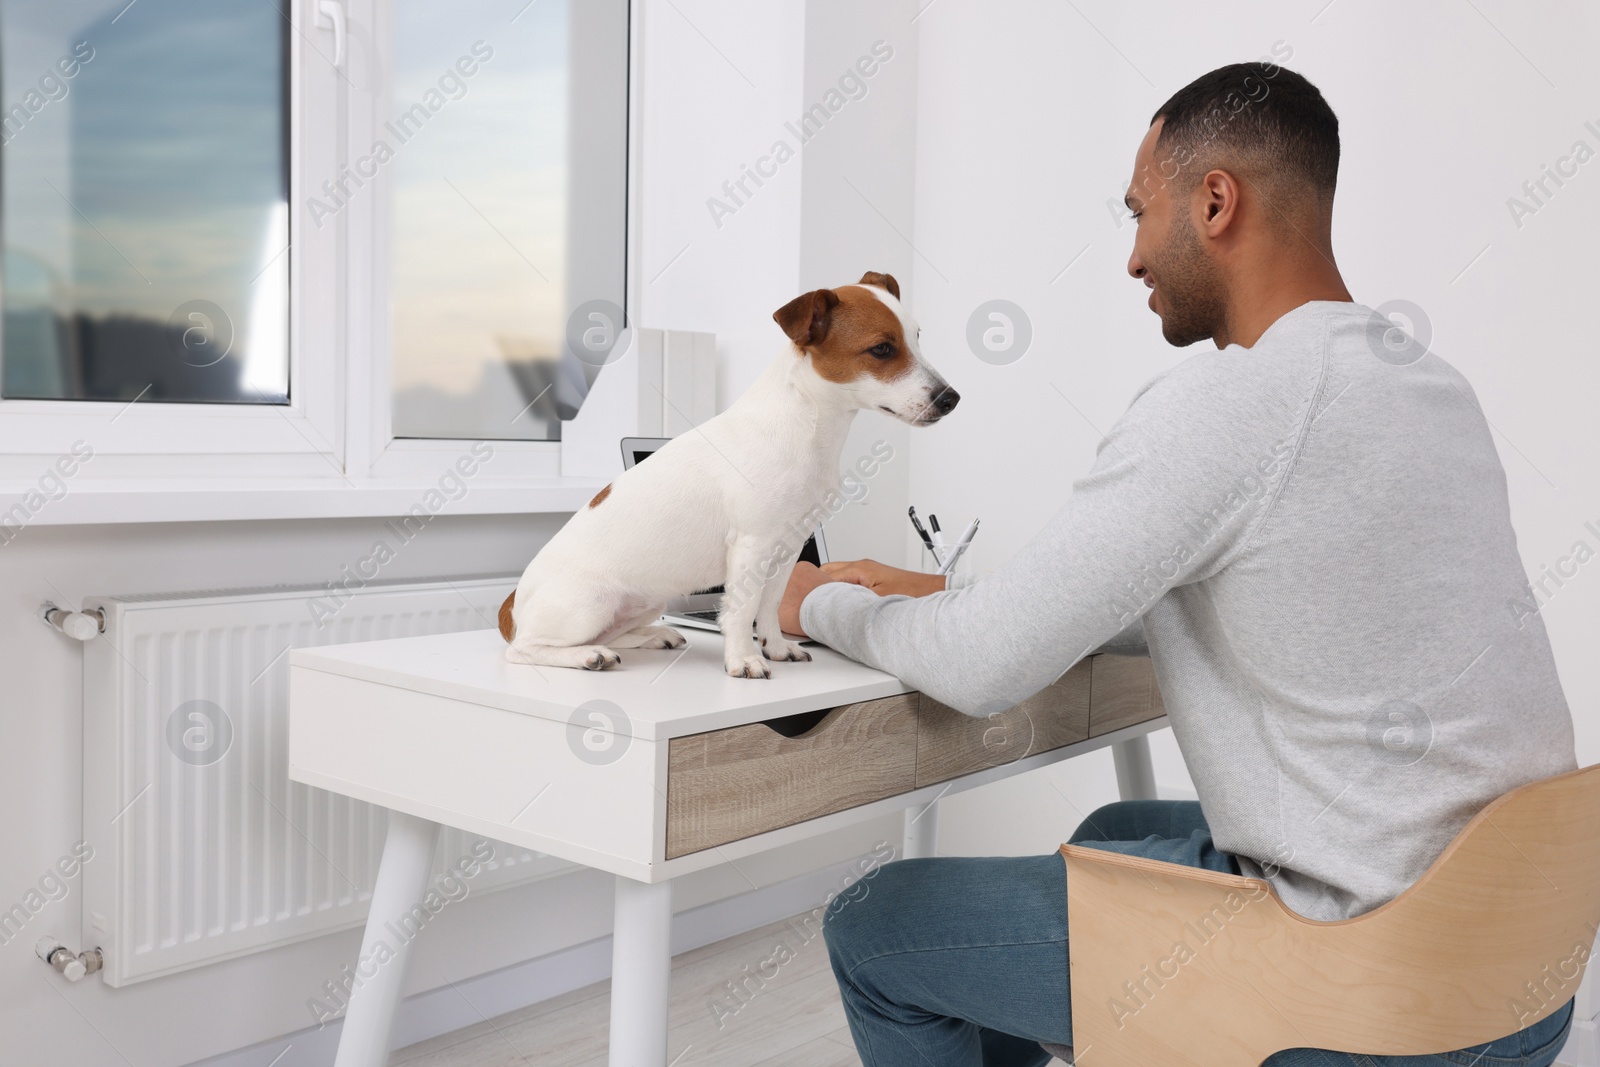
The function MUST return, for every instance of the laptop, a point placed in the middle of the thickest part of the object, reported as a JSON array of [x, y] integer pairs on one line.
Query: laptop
[[699, 610]]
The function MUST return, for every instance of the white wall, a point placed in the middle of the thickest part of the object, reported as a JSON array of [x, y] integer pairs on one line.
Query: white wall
[[859, 189], [720, 88]]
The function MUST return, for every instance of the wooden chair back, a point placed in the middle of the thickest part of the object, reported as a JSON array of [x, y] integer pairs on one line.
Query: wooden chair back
[[1174, 964]]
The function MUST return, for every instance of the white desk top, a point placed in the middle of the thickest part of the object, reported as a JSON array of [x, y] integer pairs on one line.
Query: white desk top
[[662, 693]]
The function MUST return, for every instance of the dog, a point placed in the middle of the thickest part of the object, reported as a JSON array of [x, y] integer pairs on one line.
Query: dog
[[723, 503]]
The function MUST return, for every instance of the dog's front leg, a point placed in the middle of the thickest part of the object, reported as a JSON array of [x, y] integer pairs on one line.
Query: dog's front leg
[[768, 633], [747, 580]]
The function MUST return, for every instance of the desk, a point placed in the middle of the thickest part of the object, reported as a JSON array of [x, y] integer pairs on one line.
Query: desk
[[660, 767]]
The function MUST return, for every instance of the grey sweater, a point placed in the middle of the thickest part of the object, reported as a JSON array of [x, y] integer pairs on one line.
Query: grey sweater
[[1318, 546]]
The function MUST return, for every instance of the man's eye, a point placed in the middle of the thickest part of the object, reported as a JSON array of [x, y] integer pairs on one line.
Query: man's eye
[[1136, 215], [882, 350]]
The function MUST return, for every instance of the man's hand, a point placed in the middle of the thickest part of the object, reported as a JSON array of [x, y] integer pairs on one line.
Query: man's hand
[[883, 579], [804, 578], [880, 578]]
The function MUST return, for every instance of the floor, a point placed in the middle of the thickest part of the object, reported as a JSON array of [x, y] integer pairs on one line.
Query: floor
[[793, 1019]]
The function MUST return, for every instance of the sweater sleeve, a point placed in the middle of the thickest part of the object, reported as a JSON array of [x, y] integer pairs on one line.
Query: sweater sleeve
[[1130, 641], [1175, 491]]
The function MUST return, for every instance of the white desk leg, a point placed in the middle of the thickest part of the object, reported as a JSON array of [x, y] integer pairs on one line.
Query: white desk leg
[[402, 883], [922, 831], [1136, 778], [641, 967]]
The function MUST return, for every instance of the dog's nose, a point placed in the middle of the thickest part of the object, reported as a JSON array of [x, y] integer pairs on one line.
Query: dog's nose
[[945, 400]]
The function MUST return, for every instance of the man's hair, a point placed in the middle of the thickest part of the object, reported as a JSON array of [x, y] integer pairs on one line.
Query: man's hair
[[1256, 114]]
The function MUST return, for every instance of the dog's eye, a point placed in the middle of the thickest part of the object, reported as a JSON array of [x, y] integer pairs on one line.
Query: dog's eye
[[882, 350]]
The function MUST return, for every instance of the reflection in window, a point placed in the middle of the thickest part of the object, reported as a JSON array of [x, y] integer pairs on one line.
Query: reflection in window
[[506, 149], [144, 213]]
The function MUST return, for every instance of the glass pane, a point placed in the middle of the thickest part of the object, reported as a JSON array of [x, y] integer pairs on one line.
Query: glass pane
[[506, 146], [144, 169]]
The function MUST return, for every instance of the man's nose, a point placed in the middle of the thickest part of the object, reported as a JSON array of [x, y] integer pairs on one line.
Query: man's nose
[[1136, 268], [945, 400]]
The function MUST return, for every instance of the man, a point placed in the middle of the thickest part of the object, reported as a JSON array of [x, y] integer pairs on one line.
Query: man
[[1308, 530]]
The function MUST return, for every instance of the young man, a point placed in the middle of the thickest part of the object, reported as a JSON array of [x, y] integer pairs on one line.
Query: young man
[[1307, 529]]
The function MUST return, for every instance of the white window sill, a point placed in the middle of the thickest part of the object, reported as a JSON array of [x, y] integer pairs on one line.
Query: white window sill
[[209, 500]]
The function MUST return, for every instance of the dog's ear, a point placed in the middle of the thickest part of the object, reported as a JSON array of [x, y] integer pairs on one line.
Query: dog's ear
[[805, 318], [883, 281]]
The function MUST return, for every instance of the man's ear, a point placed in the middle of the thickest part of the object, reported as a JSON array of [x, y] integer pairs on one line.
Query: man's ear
[[1218, 194], [883, 281], [806, 318]]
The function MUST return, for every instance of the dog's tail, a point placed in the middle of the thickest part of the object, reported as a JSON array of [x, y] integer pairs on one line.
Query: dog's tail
[[507, 626]]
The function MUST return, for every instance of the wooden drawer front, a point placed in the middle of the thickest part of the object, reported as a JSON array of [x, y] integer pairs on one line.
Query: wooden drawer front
[[729, 784], [1122, 692], [950, 744]]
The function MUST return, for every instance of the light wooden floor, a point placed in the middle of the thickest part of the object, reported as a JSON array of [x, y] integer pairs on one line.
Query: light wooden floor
[[794, 1020]]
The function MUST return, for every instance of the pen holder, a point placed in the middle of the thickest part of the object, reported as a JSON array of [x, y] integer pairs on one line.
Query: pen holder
[[930, 565]]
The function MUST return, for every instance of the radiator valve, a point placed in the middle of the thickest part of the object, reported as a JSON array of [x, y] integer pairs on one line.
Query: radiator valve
[[79, 625], [73, 968]]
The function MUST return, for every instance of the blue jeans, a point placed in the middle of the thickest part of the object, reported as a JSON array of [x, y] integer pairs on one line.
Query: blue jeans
[[963, 961]]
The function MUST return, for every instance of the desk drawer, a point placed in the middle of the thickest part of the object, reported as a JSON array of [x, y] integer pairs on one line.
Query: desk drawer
[[950, 744], [730, 784], [725, 785]]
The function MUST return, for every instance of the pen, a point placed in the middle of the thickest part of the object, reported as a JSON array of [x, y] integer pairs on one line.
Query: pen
[[938, 535], [922, 533], [961, 546]]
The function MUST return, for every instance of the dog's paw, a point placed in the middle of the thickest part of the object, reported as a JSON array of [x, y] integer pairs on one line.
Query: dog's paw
[[582, 657], [664, 637], [783, 650], [601, 659], [747, 667]]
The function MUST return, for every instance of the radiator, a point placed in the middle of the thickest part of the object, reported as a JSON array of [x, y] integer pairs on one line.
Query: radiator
[[203, 848]]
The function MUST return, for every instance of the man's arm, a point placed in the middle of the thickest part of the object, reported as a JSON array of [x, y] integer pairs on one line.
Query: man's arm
[[1129, 641], [885, 580], [1176, 490]]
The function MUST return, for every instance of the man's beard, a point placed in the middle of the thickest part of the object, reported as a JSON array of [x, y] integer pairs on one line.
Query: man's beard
[[1191, 289]]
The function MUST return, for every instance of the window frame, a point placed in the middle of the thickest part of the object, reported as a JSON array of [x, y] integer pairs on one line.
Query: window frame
[[297, 439], [334, 439]]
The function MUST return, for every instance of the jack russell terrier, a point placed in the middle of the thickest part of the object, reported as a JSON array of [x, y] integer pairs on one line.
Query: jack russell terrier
[[720, 504]]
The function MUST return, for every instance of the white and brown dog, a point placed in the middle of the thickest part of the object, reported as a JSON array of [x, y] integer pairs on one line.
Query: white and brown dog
[[721, 503]]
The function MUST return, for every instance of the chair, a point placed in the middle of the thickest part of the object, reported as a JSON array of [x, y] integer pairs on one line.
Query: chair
[[1174, 964]]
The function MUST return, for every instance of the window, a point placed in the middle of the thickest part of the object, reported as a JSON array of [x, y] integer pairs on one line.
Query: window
[[505, 173], [145, 177], [309, 239]]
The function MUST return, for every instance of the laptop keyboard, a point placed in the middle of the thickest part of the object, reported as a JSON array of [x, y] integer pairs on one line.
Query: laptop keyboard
[[711, 617]]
